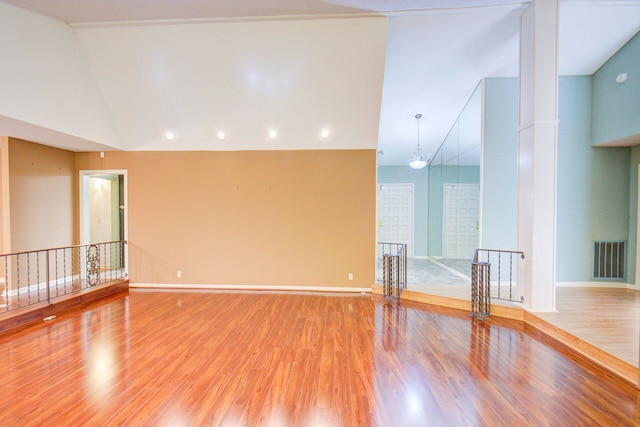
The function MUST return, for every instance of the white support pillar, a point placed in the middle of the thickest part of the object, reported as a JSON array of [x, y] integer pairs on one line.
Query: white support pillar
[[537, 153]]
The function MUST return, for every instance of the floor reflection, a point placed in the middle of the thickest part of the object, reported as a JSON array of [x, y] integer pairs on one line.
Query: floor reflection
[[394, 326], [100, 353], [479, 348], [433, 272]]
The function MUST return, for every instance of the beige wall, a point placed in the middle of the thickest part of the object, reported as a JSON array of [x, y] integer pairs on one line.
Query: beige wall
[[43, 196], [296, 218]]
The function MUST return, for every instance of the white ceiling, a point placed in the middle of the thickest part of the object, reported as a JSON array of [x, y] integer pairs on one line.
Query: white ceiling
[[93, 11], [437, 50]]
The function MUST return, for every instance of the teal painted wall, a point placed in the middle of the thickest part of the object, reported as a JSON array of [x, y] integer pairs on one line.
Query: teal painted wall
[[593, 185], [633, 213], [438, 176], [575, 175], [616, 107], [406, 175], [500, 169]]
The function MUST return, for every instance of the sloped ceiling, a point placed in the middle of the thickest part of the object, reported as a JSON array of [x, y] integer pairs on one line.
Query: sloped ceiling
[[436, 53]]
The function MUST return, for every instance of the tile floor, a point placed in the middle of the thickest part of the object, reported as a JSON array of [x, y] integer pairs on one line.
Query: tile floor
[[441, 277]]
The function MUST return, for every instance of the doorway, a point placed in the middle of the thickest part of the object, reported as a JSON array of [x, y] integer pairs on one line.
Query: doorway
[[103, 209]]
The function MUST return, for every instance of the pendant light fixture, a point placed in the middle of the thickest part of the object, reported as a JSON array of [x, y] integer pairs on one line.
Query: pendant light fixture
[[417, 160]]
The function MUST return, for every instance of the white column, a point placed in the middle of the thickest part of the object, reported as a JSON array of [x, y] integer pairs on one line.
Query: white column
[[537, 153]]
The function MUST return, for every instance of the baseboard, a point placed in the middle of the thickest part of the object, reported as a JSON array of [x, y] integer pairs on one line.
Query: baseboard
[[180, 286], [622, 285], [40, 286]]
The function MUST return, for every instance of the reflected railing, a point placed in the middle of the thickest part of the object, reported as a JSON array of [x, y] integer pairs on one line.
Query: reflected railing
[[35, 277]]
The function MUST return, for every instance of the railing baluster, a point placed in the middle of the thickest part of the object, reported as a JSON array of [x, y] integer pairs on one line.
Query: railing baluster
[[18, 278], [29, 278], [48, 284], [499, 278], [38, 274], [64, 270], [511, 276], [6, 284]]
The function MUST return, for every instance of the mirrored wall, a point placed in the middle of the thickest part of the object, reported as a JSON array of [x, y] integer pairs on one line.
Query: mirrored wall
[[454, 190]]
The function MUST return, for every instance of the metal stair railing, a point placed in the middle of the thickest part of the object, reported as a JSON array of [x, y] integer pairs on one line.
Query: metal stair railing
[[35, 277], [505, 264]]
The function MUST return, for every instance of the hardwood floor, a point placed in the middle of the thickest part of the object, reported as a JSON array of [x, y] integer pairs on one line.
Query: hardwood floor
[[608, 318], [267, 358]]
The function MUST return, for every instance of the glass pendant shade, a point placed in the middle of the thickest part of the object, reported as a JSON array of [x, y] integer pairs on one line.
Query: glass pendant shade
[[417, 160]]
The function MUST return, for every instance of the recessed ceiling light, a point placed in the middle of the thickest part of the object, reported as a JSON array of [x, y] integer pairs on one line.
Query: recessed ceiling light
[[221, 135], [169, 135], [273, 134], [325, 133]]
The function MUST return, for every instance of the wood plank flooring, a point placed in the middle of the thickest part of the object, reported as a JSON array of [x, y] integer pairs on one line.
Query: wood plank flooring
[[278, 359], [608, 318]]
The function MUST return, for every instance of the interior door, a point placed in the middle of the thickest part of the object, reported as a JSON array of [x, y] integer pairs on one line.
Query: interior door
[[395, 214], [460, 228]]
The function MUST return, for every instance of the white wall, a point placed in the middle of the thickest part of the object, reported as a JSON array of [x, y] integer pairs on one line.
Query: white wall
[[47, 87], [242, 77]]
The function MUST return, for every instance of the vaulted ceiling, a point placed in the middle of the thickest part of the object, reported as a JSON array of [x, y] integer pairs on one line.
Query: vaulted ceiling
[[436, 50]]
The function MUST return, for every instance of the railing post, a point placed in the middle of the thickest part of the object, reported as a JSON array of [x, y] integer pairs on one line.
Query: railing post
[[394, 270], [480, 289], [48, 278]]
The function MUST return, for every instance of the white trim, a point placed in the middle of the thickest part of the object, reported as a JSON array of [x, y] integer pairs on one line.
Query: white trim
[[637, 278], [183, 286], [622, 285], [420, 257], [41, 285], [449, 268], [529, 125], [387, 12], [481, 165]]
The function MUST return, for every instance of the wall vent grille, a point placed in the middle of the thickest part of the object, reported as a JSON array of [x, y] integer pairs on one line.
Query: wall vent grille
[[609, 259]]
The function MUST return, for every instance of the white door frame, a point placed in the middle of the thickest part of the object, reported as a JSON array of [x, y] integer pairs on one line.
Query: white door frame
[[636, 285], [83, 178]]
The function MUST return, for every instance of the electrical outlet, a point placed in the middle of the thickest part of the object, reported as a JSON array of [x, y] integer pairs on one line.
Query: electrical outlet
[[179, 274], [350, 276]]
